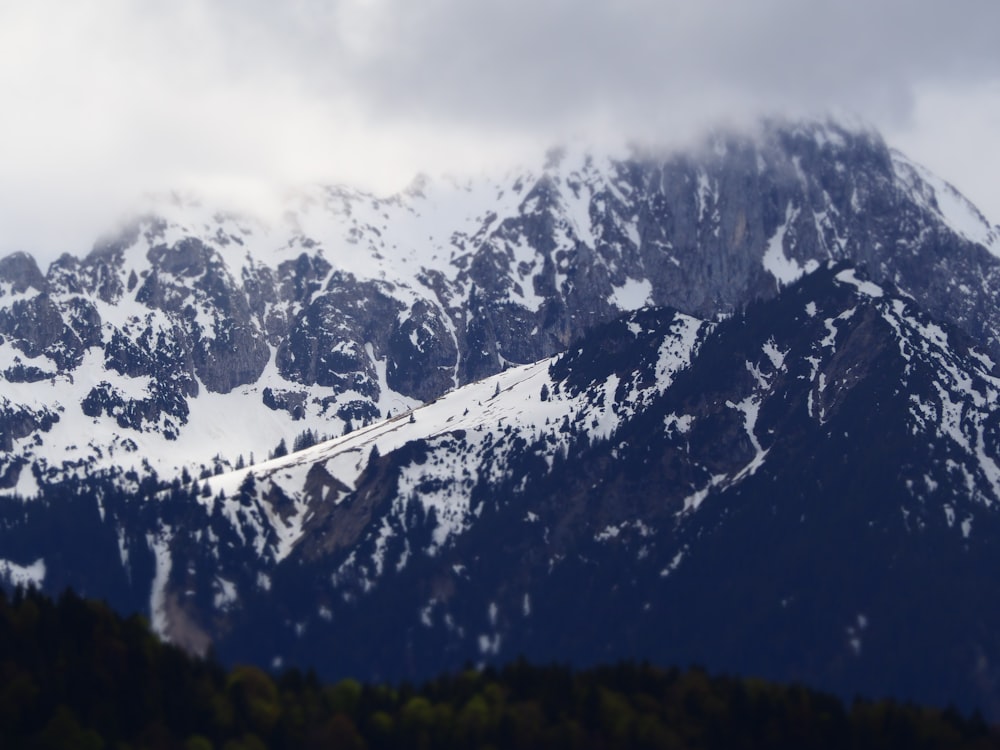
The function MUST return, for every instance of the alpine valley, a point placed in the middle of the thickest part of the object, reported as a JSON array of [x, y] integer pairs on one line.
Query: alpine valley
[[736, 405]]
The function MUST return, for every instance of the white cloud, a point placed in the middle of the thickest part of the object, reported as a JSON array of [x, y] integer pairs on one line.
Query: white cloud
[[105, 99]]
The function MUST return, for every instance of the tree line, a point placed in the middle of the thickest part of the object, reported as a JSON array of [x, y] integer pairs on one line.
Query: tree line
[[74, 674]]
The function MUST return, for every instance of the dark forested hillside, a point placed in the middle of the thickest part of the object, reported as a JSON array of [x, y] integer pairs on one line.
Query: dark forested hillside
[[75, 675]]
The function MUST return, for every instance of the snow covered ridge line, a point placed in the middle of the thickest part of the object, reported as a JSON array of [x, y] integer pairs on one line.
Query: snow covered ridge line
[[473, 431], [195, 341], [953, 208]]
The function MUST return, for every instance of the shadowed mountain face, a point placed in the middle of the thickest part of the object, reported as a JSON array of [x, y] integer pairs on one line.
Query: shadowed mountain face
[[806, 490], [722, 406]]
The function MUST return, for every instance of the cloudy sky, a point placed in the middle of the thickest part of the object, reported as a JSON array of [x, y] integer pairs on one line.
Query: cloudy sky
[[104, 100]]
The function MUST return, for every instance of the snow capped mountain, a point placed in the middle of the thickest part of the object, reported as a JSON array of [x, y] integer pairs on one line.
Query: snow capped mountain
[[473, 432], [735, 405], [192, 338]]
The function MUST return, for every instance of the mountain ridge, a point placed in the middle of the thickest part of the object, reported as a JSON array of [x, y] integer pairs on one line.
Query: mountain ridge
[[735, 405], [345, 314]]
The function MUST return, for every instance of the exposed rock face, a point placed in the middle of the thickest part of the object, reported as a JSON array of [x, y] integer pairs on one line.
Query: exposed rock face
[[21, 272], [355, 307]]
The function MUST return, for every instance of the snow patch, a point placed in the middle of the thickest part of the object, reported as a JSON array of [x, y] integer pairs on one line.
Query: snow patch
[[489, 645], [750, 408], [785, 270], [679, 424], [774, 354], [607, 533], [23, 575], [160, 545], [225, 595], [632, 295], [847, 276], [674, 564]]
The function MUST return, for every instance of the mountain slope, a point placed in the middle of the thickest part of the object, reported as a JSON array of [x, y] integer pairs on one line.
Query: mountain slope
[[805, 490], [798, 501]]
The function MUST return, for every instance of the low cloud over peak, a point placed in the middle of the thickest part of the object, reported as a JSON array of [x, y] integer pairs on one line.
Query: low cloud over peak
[[106, 99]]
